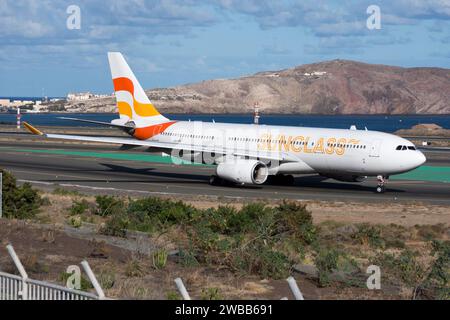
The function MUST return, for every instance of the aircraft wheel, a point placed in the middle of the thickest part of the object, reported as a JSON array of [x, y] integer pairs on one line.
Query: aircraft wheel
[[289, 180], [281, 180], [214, 180], [381, 189]]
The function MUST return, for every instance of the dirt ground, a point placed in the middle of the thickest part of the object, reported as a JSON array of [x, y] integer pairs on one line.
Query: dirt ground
[[47, 251], [125, 269]]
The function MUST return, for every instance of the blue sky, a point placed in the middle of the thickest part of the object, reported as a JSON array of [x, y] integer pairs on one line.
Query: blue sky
[[170, 42]]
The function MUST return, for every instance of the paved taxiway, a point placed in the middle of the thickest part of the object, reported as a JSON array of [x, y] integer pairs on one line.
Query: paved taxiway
[[106, 169]]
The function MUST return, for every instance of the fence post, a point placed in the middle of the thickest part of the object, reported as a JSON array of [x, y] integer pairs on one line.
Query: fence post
[[93, 279], [21, 269], [294, 288], [182, 289]]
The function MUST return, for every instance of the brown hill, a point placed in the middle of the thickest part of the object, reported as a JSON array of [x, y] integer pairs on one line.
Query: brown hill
[[332, 87], [425, 129]]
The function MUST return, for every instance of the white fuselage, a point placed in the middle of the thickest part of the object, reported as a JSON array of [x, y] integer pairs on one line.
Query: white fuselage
[[310, 150]]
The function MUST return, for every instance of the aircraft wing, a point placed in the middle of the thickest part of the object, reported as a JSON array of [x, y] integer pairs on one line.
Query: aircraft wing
[[165, 145], [123, 126]]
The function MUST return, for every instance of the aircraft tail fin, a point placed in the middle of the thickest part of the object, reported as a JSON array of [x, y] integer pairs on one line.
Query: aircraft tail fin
[[132, 102]]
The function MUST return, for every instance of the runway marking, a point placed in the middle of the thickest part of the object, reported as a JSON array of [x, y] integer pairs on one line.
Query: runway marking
[[98, 188], [91, 159], [110, 155], [187, 194], [105, 180], [126, 190]]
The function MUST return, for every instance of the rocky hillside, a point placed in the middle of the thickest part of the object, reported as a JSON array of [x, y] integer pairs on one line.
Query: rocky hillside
[[332, 87], [425, 129]]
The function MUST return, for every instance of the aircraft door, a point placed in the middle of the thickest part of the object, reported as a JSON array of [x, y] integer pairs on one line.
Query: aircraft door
[[375, 149]]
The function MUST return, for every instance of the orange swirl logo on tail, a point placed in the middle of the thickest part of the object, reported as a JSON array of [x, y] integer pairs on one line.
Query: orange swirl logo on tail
[[141, 109]]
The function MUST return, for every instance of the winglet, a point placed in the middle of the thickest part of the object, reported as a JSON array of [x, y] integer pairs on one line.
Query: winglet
[[32, 129]]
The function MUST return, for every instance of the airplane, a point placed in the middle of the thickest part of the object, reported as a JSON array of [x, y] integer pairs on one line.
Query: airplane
[[250, 154]]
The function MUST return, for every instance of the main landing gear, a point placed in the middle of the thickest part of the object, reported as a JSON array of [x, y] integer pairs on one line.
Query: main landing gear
[[218, 181], [281, 179], [382, 180], [215, 181]]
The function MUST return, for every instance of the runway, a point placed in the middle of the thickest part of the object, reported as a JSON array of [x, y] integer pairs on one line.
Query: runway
[[94, 169]]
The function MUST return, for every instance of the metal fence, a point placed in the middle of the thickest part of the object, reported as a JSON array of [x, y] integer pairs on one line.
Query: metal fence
[[13, 287], [291, 281], [10, 286]]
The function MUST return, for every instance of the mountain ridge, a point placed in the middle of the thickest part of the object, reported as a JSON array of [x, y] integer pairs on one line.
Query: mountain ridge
[[329, 87]]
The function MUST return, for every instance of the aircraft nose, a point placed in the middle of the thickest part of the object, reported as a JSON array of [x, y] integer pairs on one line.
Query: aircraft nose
[[420, 159]]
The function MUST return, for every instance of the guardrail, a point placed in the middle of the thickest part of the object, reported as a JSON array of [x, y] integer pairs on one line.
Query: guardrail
[[13, 287]]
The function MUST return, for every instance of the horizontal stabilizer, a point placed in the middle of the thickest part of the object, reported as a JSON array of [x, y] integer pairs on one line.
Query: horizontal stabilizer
[[32, 129], [116, 125]]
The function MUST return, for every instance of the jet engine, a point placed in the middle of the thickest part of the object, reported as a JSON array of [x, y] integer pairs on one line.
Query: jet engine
[[243, 171]]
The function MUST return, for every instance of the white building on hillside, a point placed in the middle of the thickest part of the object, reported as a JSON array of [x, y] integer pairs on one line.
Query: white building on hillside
[[80, 96]]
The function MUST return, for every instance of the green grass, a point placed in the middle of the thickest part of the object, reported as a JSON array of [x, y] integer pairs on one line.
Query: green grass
[[108, 155], [426, 173]]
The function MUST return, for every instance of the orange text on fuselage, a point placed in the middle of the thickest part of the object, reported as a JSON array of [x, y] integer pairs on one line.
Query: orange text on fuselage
[[305, 144]]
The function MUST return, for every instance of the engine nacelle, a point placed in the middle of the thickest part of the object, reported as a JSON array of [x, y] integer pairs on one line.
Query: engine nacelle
[[345, 177], [243, 171]]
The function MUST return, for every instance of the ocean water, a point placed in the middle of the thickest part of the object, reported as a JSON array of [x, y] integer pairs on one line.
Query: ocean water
[[30, 98], [372, 122]]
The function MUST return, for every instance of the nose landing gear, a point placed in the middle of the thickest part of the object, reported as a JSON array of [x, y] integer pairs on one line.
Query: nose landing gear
[[382, 180]]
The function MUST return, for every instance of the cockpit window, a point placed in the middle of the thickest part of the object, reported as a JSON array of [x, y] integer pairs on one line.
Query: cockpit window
[[405, 148]]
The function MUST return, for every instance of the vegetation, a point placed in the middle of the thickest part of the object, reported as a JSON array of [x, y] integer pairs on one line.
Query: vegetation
[[255, 239], [134, 268], [107, 205], [437, 281], [75, 221], [79, 207], [430, 281], [116, 225], [160, 259], [268, 241], [326, 261], [19, 202], [369, 235], [66, 192], [211, 294], [403, 266], [173, 295], [106, 280]]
